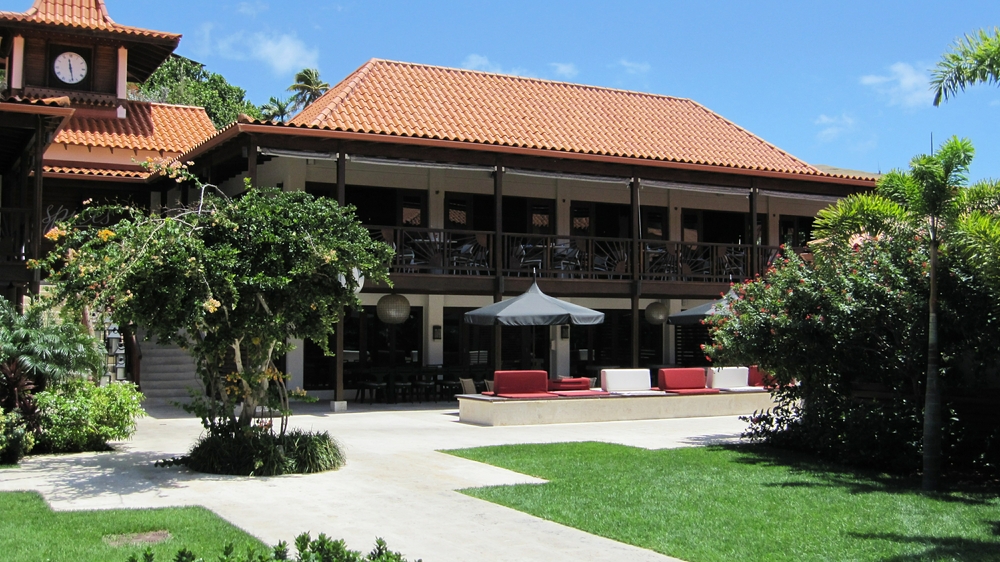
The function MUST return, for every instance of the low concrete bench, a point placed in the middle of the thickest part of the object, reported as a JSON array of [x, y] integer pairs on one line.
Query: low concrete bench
[[732, 379], [628, 382]]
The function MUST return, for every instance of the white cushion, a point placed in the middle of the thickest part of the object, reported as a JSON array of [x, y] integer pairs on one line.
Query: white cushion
[[625, 380], [728, 377], [744, 389]]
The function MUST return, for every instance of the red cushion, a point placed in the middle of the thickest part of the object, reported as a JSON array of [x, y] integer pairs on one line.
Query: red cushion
[[678, 378], [570, 384], [487, 393], [581, 393], [528, 395], [755, 377], [520, 382], [688, 391]]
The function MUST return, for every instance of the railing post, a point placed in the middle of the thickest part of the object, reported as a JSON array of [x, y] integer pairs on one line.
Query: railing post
[[36, 234]]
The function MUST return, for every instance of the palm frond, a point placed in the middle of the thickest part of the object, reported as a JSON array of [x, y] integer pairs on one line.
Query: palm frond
[[866, 214], [974, 59]]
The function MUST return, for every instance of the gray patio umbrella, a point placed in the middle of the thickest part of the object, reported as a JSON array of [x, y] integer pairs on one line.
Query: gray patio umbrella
[[533, 308], [695, 315]]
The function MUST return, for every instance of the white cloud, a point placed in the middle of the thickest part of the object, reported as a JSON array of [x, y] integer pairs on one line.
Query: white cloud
[[905, 85], [634, 67], [564, 69], [282, 53], [833, 127], [480, 62], [251, 8]]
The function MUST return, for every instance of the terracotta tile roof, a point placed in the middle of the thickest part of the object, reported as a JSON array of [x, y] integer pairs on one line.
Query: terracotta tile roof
[[414, 100], [82, 14], [148, 126], [95, 172]]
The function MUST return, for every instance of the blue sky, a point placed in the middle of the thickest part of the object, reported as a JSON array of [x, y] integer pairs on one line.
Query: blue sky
[[841, 83]]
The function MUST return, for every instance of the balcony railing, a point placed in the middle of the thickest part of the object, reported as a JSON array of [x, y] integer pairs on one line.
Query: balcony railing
[[435, 251], [14, 239], [457, 252]]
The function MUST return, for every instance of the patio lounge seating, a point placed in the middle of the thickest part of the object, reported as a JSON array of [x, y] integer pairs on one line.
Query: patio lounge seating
[[732, 379], [628, 382], [521, 384], [581, 383], [685, 380]]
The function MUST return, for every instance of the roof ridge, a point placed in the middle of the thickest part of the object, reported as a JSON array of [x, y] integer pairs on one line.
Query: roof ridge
[[350, 83], [532, 79]]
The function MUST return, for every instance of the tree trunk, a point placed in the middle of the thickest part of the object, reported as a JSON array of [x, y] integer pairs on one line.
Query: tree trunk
[[932, 400]]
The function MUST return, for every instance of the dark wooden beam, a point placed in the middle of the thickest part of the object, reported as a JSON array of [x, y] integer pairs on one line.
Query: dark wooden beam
[[36, 227], [498, 173], [252, 160], [339, 358], [636, 269], [752, 270]]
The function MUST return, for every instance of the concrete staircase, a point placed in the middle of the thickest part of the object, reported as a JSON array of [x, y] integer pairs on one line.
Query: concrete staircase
[[167, 372]]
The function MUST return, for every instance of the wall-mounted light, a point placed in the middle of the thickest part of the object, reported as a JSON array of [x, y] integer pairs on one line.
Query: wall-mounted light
[[564, 332], [436, 332]]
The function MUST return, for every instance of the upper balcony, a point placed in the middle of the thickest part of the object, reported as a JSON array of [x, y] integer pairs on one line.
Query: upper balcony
[[440, 260]]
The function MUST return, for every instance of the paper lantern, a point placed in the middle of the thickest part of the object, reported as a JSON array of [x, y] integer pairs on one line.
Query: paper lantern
[[393, 309], [656, 313]]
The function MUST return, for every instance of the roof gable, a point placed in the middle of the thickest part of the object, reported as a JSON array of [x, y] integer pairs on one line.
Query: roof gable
[[413, 100]]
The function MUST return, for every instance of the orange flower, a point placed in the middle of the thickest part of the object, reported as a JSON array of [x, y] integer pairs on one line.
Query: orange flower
[[55, 233], [105, 235]]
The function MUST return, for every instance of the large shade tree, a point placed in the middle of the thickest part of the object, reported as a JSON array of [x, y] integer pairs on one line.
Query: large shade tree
[[974, 59], [183, 81], [230, 280], [931, 202]]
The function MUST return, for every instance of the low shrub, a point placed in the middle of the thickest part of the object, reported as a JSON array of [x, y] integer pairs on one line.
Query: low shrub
[[78, 415], [15, 438], [321, 549], [256, 451]]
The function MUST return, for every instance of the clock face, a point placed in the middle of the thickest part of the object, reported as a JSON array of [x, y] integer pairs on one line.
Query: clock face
[[70, 67]]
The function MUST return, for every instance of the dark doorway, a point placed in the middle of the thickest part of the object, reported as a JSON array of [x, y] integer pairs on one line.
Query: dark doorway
[[525, 347], [688, 342], [523, 215], [795, 231], [465, 345]]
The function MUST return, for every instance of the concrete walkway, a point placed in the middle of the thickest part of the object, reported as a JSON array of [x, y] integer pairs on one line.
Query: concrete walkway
[[395, 485]]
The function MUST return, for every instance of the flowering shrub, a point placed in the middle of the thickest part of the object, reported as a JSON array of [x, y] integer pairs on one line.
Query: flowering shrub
[[845, 340]]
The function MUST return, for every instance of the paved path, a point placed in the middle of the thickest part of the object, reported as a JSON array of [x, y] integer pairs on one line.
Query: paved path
[[395, 485]]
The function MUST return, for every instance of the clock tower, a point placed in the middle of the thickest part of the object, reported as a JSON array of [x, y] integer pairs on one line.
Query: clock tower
[[73, 48], [68, 132]]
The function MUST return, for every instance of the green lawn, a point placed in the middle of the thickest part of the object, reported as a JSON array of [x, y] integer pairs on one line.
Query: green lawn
[[742, 503], [32, 532]]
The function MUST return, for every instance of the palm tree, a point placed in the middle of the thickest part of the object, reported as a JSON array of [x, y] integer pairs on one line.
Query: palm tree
[[975, 59], [929, 201], [277, 109], [308, 87]]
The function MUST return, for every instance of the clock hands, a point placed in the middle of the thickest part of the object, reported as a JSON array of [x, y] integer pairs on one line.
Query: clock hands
[[70, 69]]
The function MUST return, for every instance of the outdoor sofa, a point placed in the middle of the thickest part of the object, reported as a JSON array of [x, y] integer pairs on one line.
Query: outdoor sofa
[[684, 381], [732, 379], [628, 382]]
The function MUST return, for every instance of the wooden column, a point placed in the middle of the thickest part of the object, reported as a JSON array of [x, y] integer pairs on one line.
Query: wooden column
[[636, 271], [752, 265], [497, 256], [36, 208], [252, 161], [339, 350]]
